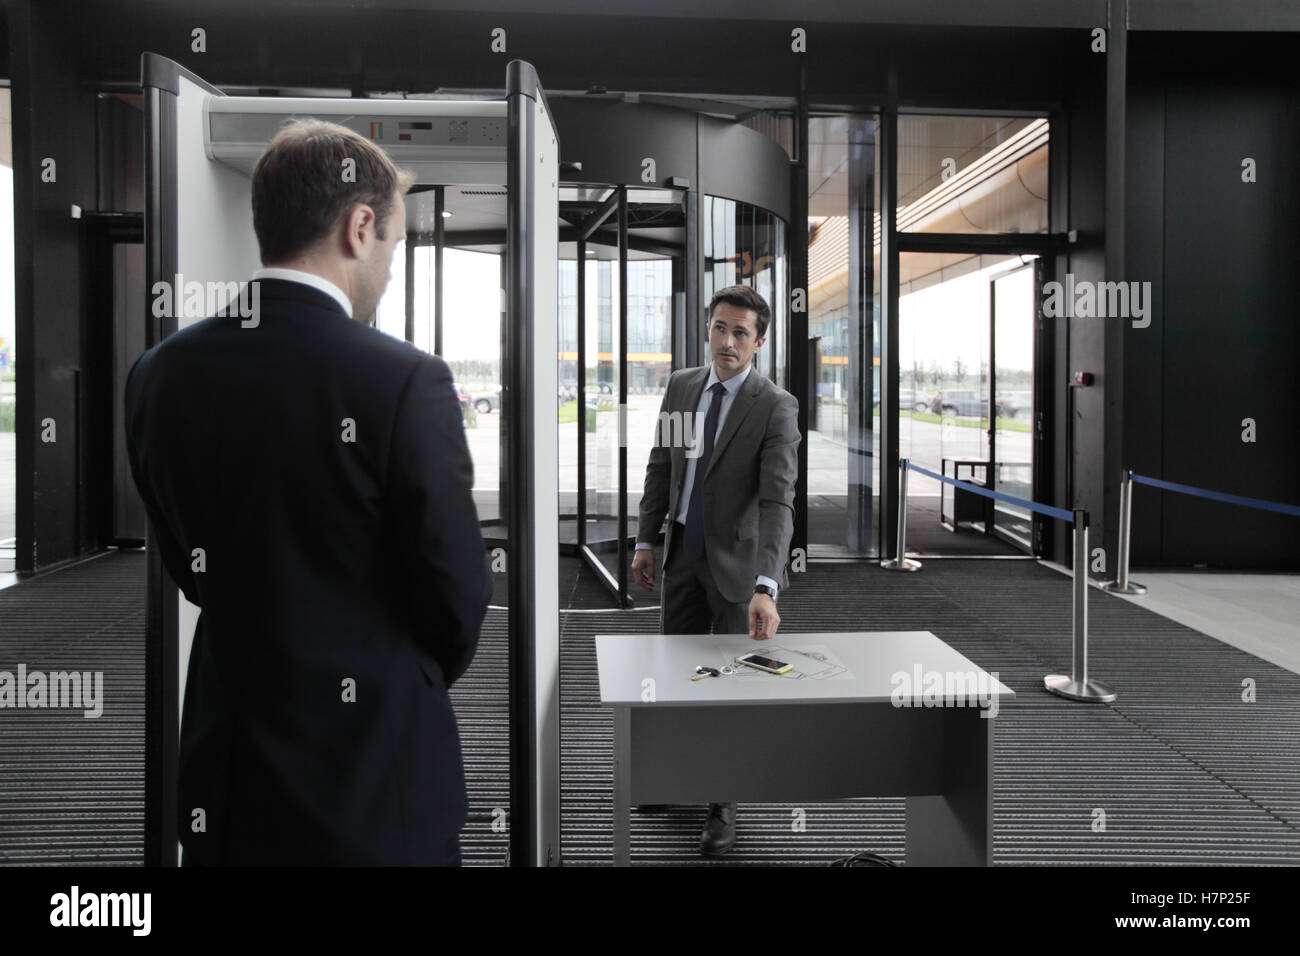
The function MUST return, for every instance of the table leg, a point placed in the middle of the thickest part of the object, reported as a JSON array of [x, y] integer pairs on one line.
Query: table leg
[[956, 829], [622, 786]]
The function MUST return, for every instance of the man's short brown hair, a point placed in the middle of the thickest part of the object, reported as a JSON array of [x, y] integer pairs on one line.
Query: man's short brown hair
[[303, 185], [743, 297]]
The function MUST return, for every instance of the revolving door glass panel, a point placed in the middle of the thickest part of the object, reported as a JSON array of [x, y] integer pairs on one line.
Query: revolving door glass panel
[[746, 245]]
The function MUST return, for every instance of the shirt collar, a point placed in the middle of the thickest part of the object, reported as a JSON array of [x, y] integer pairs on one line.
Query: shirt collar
[[307, 278], [732, 385]]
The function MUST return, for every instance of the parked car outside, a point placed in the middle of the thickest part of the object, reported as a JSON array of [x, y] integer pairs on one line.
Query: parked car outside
[[486, 402], [916, 401], [1018, 405], [962, 402]]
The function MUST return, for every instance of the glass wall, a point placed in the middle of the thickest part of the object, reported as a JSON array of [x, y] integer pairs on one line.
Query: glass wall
[[567, 377], [390, 314], [472, 300], [649, 363], [8, 355], [958, 414], [972, 174], [423, 304], [843, 444], [471, 344]]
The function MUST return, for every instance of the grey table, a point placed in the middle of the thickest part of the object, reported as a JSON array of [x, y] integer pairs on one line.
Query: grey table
[[764, 738]]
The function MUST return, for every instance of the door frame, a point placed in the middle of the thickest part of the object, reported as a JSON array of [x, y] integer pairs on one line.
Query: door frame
[[1044, 247], [1034, 454]]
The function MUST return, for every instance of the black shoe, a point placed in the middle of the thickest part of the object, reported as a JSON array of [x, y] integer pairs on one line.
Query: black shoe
[[719, 829]]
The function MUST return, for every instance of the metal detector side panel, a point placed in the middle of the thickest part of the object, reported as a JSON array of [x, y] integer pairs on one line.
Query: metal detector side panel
[[190, 237], [533, 264], [215, 247], [545, 252]]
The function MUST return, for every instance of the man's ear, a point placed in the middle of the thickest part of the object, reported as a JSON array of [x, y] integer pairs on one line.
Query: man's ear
[[359, 230]]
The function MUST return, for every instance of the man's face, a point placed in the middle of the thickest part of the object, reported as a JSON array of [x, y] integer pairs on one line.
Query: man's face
[[374, 272], [733, 338]]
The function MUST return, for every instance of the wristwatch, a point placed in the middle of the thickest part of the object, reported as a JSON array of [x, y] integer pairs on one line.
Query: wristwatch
[[764, 589]]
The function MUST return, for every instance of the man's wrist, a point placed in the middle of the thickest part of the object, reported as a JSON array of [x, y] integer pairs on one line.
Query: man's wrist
[[644, 546], [765, 589]]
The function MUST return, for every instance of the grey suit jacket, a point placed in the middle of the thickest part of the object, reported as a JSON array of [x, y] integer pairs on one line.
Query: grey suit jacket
[[748, 490]]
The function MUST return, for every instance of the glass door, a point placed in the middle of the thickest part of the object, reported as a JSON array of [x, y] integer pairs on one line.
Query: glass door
[[951, 351], [962, 400], [621, 287], [600, 419], [1011, 448], [457, 314]]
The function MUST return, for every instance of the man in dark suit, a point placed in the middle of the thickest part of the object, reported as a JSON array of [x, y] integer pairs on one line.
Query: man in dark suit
[[730, 495], [309, 484]]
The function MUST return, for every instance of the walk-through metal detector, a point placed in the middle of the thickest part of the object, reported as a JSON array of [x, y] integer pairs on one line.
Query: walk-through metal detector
[[200, 149]]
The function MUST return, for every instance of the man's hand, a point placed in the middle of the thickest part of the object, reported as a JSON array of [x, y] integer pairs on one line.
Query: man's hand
[[763, 619], [643, 568]]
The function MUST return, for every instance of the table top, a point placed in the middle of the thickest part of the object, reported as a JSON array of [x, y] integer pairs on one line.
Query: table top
[[645, 670]]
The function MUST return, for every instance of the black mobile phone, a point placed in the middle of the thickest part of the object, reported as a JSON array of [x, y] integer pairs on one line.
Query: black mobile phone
[[765, 663]]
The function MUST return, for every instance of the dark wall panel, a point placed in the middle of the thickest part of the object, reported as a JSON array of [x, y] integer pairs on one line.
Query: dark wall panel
[[380, 48], [54, 118], [128, 519], [1144, 348], [1231, 323], [121, 155]]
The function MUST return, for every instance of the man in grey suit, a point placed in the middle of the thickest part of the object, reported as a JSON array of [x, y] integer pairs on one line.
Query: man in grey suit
[[723, 467]]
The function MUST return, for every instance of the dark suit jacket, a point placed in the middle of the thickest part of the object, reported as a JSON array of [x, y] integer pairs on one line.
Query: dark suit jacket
[[328, 564], [748, 492]]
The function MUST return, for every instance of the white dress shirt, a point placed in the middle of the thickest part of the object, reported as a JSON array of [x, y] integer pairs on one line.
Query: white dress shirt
[[730, 387], [307, 278]]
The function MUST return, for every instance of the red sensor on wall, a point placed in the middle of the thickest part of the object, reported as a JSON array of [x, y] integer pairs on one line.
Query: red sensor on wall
[[1082, 378]]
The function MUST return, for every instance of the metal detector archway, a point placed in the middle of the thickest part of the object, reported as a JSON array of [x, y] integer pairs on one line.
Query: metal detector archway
[[200, 149]]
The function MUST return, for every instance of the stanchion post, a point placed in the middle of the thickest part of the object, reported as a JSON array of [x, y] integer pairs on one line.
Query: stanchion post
[[1077, 686], [901, 562], [1121, 584]]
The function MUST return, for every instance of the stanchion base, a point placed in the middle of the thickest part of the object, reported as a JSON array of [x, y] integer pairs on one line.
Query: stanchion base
[[907, 564], [1088, 691], [1131, 588]]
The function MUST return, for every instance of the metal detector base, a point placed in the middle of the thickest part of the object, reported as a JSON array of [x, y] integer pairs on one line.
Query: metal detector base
[[1088, 691], [1131, 588], [907, 564]]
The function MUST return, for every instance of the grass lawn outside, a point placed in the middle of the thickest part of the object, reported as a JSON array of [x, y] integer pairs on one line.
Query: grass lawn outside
[[569, 411]]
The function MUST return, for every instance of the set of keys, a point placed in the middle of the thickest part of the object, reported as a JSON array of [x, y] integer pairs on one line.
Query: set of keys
[[704, 671]]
